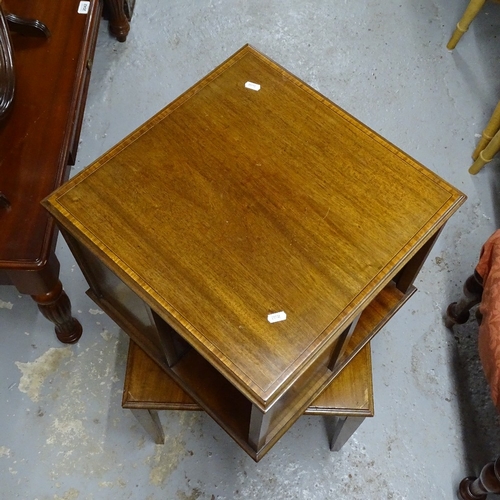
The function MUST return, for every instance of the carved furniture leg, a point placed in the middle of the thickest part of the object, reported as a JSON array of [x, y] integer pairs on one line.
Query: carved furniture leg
[[472, 488], [119, 25], [344, 428], [150, 421], [56, 307], [470, 13], [44, 286], [458, 312]]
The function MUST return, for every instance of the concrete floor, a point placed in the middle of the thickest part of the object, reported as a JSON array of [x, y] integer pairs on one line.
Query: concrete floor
[[64, 434]]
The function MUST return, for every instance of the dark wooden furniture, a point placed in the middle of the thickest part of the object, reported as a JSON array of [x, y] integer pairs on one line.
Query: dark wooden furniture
[[346, 402], [119, 13], [252, 196], [458, 313], [478, 488], [38, 140]]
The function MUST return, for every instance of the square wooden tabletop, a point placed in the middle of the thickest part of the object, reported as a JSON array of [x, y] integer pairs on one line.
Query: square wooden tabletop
[[249, 195]]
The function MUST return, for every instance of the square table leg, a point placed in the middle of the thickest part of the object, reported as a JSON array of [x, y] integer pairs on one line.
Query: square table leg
[[344, 428], [150, 422]]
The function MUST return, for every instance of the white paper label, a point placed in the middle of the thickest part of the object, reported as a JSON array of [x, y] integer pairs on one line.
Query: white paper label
[[84, 7], [252, 86], [275, 317]]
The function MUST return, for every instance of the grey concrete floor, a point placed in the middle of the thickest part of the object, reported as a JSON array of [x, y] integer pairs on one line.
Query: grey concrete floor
[[63, 433]]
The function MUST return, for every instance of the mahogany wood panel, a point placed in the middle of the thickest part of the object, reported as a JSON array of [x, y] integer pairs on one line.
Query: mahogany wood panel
[[35, 139], [38, 138]]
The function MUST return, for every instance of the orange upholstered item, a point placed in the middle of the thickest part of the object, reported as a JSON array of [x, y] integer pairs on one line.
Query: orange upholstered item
[[488, 268]]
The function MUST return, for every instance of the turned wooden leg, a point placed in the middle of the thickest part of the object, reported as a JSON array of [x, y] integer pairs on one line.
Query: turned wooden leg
[[119, 25], [472, 488], [489, 132], [43, 284], [150, 421], [486, 155], [458, 312], [344, 428], [470, 13], [56, 307]]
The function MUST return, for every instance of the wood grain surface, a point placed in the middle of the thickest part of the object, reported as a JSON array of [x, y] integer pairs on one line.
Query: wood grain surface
[[147, 386], [39, 134], [232, 204]]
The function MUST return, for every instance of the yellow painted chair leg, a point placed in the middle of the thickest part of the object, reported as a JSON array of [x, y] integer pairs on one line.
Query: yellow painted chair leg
[[470, 13], [486, 155], [490, 130]]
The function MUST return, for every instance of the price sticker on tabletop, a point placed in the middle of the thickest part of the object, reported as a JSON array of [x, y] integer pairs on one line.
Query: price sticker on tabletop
[[275, 317], [252, 86], [83, 7]]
